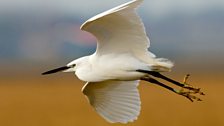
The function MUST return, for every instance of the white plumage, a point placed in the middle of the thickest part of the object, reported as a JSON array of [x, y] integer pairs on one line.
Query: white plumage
[[115, 101], [120, 30], [111, 72], [122, 47]]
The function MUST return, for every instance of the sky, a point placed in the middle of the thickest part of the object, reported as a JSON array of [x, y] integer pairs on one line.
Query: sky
[[156, 7], [39, 30]]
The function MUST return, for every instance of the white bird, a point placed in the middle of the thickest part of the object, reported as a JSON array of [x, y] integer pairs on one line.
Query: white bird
[[121, 59]]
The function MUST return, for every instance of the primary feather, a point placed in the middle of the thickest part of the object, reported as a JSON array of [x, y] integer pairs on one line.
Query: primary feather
[[115, 101]]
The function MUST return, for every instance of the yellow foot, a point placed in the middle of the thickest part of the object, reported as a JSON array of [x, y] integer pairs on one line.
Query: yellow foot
[[190, 87], [189, 95], [190, 90]]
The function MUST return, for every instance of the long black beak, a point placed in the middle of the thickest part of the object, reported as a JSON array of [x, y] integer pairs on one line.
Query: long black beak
[[56, 70]]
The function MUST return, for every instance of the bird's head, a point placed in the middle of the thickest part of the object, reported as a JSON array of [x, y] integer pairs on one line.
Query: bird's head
[[68, 68]]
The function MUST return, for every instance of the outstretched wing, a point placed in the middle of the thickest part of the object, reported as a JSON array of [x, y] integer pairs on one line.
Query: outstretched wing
[[115, 101], [119, 30]]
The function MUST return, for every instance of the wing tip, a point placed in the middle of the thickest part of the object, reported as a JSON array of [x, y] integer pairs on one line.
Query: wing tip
[[124, 121], [84, 25], [135, 4]]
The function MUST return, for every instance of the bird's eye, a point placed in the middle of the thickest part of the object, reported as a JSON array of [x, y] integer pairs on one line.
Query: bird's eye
[[73, 65]]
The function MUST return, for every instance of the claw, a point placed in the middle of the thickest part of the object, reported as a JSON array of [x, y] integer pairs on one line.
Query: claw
[[189, 95], [191, 89], [186, 78]]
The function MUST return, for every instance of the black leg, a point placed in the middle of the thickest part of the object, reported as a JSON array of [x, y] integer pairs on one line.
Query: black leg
[[157, 74], [187, 94], [183, 85], [154, 81]]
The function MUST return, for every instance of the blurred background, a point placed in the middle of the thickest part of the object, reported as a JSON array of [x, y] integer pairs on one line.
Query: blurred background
[[37, 35]]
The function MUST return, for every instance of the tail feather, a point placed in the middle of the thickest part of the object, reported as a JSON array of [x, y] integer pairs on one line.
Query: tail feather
[[162, 65], [156, 64]]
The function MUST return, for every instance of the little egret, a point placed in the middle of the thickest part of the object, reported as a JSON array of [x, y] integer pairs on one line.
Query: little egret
[[121, 60]]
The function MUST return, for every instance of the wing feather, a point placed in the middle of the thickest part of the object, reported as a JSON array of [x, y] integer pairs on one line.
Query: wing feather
[[115, 101], [119, 30]]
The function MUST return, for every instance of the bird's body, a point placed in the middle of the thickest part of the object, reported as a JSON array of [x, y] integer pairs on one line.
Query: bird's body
[[121, 59], [109, 67]]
